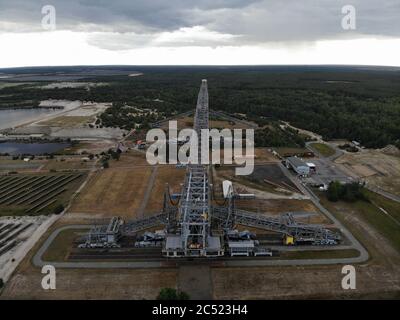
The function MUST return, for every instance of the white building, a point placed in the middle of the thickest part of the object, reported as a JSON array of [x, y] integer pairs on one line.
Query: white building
[[298, 165]]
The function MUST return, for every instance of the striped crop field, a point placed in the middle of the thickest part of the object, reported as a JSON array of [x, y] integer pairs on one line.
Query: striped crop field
[[36, 194]]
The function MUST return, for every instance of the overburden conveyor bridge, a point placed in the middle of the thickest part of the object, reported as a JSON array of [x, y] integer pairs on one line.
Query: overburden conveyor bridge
[[197, 227]]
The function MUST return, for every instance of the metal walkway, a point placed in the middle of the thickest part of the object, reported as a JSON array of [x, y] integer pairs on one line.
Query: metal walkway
[[194, 207]]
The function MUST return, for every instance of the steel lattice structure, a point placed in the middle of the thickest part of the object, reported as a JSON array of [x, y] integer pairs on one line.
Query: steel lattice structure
[[194, 209], [189, 220]]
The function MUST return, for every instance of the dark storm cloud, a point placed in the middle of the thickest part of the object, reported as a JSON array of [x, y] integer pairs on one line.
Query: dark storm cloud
[[118, 15], [133, 23]]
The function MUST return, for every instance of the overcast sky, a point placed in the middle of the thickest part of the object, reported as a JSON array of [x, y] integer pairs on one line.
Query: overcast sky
[[199, 32]]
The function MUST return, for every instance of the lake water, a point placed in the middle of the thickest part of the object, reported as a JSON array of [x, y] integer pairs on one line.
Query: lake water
[[17, 148], [12, 118]]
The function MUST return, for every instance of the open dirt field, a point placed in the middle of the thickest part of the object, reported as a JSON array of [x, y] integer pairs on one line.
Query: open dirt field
[[131, 159], [113, 191], [74, 163], [375, 167], [7, 165], [92, 284], [165, 174], [278, 206], [302, 283], [90, 146]]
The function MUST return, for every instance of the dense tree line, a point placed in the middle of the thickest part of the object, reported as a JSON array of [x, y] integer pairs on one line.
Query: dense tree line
[[348, 192], [350, 103], [273, 135]]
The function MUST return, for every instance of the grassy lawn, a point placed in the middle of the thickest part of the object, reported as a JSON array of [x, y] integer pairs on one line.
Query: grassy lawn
[[12, 211], [369, 212], [74, 148], [323, 149], [62, 244], [392, 207]]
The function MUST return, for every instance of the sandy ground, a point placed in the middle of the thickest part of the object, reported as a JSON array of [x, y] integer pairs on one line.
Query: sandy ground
[[78, 116], [374, 167]]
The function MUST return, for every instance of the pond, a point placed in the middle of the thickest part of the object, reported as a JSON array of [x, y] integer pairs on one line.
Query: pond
[[13, 117], [17, 148]]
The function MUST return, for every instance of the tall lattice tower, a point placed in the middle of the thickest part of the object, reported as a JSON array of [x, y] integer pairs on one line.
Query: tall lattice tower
[[194, 212]]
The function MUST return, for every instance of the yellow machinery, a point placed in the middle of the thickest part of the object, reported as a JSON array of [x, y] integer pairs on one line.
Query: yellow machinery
[[289, 240]]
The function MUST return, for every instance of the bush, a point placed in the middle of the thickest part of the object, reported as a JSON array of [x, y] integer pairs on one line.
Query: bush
[[58, 209], [349, 192], [333, 191], [106, 165], [172, 294]]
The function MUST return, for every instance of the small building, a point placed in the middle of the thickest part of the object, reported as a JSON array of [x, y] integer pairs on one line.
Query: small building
[[241, 248], [173, 246], [227, 188], [104, 235], [141, 144], [298, 165], [312, 166]]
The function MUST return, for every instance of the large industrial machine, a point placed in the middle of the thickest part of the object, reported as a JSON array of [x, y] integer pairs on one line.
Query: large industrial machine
[[196, 226]]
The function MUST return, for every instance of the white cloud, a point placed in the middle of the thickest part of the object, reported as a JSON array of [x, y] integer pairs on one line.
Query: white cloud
[[198, 36], [177, 31], [72, 48]]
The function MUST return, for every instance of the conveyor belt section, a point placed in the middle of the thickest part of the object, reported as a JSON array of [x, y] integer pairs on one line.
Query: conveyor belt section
[[285, 224], [134, 226]]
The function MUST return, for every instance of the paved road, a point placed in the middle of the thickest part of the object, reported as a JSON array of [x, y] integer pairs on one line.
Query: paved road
[[383, 193], [307, 191], [154, 263], [333, 157]]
